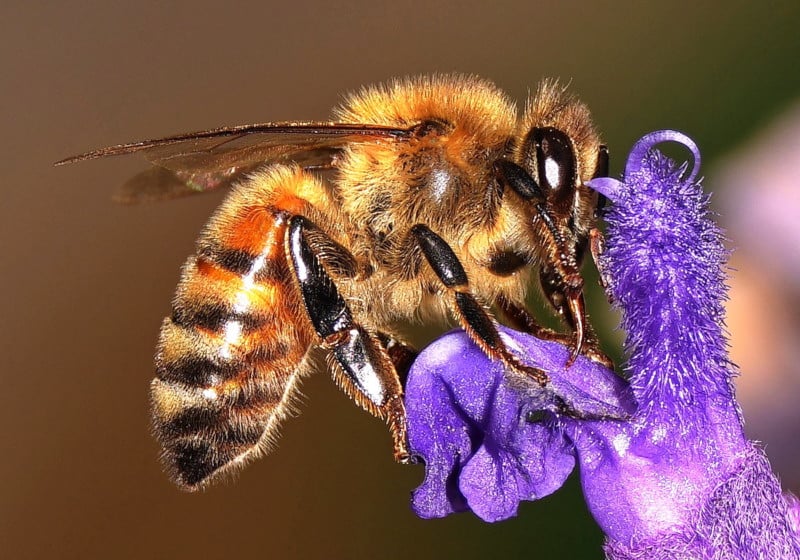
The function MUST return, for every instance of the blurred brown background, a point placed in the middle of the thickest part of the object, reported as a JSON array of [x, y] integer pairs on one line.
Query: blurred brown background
[[85, 283]]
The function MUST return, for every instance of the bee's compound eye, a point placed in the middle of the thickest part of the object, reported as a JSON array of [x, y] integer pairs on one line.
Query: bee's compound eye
[[555, 160]]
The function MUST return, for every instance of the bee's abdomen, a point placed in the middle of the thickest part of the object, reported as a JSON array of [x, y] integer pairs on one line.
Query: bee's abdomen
[[229, 354]]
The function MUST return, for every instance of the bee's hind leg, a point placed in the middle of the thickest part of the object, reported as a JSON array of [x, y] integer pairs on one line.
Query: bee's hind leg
[[362, 365]]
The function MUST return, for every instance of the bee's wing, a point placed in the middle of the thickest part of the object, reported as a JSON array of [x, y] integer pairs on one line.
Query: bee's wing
[[202, 161]]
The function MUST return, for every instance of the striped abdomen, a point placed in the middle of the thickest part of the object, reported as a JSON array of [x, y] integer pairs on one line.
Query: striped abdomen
[[229, 355]]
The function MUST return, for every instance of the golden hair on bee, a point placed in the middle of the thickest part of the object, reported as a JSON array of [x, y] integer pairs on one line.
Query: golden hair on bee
[[553, 105], [425, 199], [477, 105]]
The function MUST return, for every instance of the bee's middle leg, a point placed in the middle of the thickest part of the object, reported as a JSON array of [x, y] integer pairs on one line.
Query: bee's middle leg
[[362, 365], [480, 326]]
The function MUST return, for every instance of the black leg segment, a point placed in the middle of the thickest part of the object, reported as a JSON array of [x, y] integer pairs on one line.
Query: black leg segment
[[601, 170], [469, 312], [520, 181], [479, 322], [364, 368], [440, 256], [327, 310]]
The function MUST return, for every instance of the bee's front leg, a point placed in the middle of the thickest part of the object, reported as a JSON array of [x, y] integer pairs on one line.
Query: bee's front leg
[[521, 319], [362, 365], [567, 300], [559, 271]]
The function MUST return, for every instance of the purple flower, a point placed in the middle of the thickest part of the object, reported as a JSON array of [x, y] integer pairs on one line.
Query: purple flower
[[677, 480], [482, 449]]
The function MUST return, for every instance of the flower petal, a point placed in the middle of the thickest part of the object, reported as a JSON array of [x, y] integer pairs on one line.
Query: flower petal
[[473, 428]]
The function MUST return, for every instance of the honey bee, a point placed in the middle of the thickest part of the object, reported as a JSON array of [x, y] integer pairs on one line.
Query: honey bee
[[425, 198]]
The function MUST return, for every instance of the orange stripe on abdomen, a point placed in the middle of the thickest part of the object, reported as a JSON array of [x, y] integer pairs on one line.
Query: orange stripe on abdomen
[[229, 354]]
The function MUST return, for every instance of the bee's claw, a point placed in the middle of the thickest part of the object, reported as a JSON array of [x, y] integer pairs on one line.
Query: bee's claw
[[576, 351]]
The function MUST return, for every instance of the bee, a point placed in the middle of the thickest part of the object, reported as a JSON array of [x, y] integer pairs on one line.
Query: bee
[[425, 198]]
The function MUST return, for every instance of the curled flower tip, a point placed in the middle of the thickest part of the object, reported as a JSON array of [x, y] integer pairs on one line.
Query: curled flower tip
[[613, 188], [642, 148]]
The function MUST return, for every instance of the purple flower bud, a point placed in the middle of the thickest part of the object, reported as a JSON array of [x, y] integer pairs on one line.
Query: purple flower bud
[[676, 480]]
